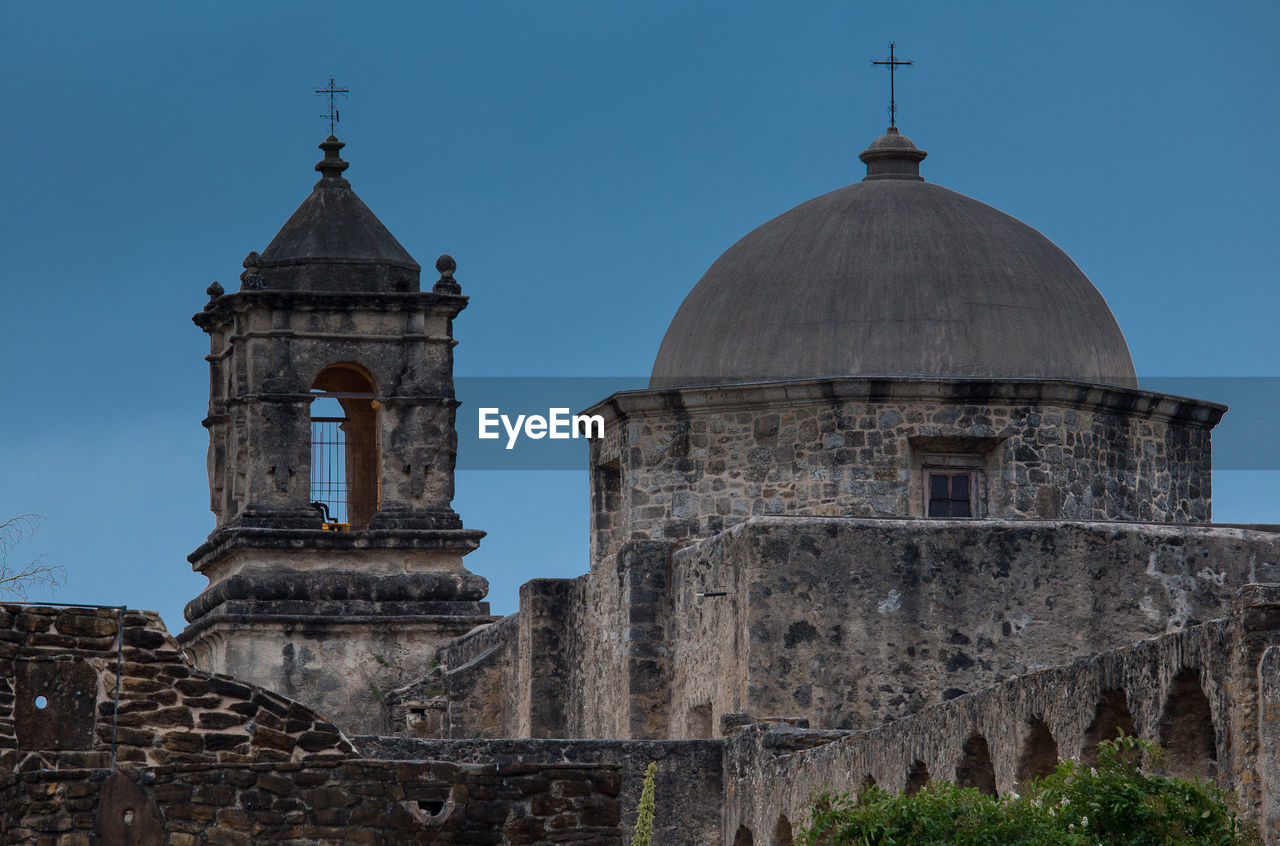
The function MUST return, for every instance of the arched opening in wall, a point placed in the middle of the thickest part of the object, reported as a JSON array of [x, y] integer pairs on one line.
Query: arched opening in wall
[[744, 837], [975, 769], [868, 782], [917, 777], [1186, 729], [1111, 717], [1039, 754], [782, 835], [344, 447]]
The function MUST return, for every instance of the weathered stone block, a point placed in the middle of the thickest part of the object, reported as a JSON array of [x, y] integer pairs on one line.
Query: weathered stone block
[[78, 624], [329, 797], [269, 739], [171, 717], [218, 720], [183, 741], [222, 836], [277, 784]]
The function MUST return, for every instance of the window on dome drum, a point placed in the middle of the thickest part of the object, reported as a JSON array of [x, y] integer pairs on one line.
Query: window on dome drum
[[951, 476], [344, 448], [950, 493]]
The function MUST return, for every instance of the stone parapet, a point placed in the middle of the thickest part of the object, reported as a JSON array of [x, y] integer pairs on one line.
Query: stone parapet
[[329, 803], [688, 789], [854, 622]]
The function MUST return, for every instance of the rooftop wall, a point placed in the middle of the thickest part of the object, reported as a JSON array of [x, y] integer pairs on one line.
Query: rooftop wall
[[308, 803], [851, 623]]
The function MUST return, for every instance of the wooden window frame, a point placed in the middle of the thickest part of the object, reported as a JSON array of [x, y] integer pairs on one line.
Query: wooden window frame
[[974, 478]]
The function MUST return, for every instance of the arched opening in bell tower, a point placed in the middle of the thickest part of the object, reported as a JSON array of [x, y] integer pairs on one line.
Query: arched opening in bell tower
[[344, 447]]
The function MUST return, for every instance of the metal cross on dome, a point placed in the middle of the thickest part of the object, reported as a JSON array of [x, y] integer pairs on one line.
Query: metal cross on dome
[[893, 64], [332, 91]]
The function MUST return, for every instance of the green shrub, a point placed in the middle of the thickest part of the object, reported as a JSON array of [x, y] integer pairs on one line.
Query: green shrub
[[1114, 803]]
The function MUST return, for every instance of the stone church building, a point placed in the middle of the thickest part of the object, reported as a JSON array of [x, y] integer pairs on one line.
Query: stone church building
[[894, 507]]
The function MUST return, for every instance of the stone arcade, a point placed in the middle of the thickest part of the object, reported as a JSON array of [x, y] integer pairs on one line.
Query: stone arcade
[[893, 507]]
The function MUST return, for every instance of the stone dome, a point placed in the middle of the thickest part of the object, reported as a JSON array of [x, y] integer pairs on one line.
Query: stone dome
[[893, 277]]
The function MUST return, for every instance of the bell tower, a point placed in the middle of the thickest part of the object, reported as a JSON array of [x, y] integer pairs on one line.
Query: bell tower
[[335, 565]]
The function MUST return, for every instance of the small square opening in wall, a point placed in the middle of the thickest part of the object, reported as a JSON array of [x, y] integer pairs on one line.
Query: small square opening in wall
[[951, 493], [951, 478]]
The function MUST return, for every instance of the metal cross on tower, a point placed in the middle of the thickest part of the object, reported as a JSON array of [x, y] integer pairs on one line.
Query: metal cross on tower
[[332, 93], [893, 64]]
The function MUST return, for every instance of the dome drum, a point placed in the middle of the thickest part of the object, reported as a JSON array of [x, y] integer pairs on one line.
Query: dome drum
[[690, 462]]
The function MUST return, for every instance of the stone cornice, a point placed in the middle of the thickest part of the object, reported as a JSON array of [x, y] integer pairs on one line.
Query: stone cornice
[[1262, 533], [223, 540], [220, 309], [333, 616], [1130, 402]]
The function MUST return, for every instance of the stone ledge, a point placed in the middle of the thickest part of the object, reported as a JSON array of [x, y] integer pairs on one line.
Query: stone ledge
[[1262, 533], [313, 615], [222, 540], [222, 309]]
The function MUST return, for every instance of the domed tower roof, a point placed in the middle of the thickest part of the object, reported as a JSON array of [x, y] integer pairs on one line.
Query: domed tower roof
[[333, 242], [893, 277]]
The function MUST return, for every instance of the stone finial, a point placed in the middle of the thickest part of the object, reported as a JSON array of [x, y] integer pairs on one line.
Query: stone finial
[[214, 291], [446, 284], [332, 165], [251, 279]]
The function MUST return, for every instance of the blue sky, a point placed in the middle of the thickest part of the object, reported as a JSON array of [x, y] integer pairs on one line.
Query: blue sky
[[584, 162]]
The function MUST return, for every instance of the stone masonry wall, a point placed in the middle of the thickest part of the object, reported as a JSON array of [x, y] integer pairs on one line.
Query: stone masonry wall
[[596, 631], [203, 758], [693, 462], [585, 657], [544, 657], [58, 670], [348, 802], [774, 771], [621, 687], [518, 677], [688, 789], [850, 623], [477, 684], [843, 622]]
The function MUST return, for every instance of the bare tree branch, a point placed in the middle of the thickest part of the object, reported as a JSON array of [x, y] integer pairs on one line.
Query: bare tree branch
[[15, 581]]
